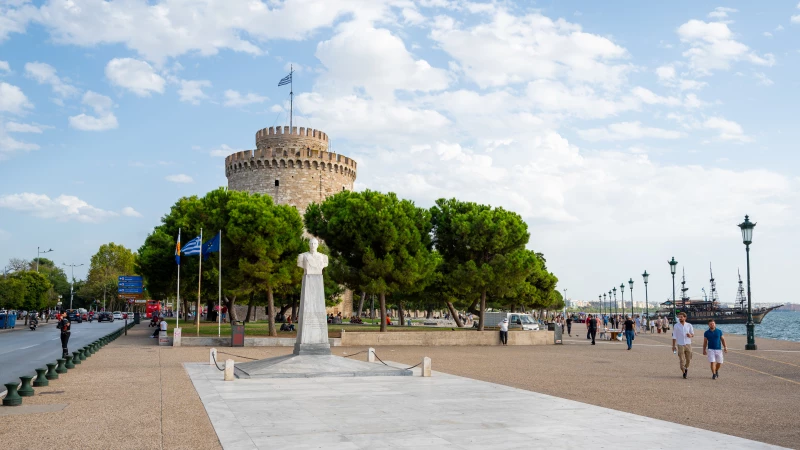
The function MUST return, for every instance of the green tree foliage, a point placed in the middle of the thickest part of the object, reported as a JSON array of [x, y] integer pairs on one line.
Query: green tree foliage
[[478, 245], [12, 293], [382, 243], [36, 289], [106, 266]]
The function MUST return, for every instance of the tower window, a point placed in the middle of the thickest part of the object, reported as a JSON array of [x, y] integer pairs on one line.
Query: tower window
[[277, 183], [342, 187]]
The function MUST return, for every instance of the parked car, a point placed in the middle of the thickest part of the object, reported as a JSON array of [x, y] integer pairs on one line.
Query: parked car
[[117, 315], [74, 316], [515, 320], [105, 316]]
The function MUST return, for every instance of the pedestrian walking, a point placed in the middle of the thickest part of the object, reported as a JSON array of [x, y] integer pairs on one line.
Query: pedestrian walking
[[715, 345], [652, 326], [682, 334], [658, 324], [638, 324], [569, 326], [630, 331], [64, 326], [591, 325], [503, 331]]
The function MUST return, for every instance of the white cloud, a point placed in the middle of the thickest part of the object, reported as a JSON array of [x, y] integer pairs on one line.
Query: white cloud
[[626, 131], [516, 49], [666, 72], [222, 151], [649, 97], [5, 67], [14, 127], [62, 208], [12, 99], [191, 91], [235, 98], [763, 79], [767, 34], [721, 12], [795, 18], [179, 178], [137, 76], [130, 212], [44, 73], [713, 47], [691, 85], [728, 129], [103, 119], [580, 101], [8, 144]]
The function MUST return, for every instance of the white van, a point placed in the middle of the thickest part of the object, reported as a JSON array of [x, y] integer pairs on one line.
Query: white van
[[515, 320]]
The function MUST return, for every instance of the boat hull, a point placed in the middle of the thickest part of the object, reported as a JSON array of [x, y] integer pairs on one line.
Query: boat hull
[[723, 316]]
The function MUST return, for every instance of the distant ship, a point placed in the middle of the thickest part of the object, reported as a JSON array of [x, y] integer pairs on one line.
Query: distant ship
[[700, 311]]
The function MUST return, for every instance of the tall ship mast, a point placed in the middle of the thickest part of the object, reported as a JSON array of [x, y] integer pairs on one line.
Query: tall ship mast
[[684, 296], [714, 297], [741, 298]]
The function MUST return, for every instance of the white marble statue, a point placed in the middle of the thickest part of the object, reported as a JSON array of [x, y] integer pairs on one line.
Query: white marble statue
[[312, 331]]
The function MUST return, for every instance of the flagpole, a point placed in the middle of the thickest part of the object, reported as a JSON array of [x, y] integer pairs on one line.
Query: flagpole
[[219, 299], [199, 277], [291, 97], [178, 317]]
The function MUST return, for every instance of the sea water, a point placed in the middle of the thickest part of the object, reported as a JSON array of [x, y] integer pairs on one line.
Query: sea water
[[776, 325]]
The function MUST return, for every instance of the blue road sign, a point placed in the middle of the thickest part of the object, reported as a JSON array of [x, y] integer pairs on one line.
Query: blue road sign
[[130, 278], [130, 290], [130, 284]]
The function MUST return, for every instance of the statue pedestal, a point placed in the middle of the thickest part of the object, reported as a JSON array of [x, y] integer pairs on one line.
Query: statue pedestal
[[312, 331]]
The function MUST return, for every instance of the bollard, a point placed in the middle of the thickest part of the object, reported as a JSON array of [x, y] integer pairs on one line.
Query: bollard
[[12, 397], [212, 356], [426, 367], [76, 358], [176, 337], [82, 352], [51, 372], [60, 368], [69, 364], [41, 379], [371, 355], [228, 370], [25, 389]]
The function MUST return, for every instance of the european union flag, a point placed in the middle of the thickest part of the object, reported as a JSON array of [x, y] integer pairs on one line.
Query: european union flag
[[212, 245]]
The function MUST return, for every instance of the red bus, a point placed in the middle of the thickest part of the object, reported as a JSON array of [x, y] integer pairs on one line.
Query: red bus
[[153, 306]]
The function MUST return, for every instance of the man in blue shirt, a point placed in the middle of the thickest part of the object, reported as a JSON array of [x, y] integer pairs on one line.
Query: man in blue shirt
[[713, 346]]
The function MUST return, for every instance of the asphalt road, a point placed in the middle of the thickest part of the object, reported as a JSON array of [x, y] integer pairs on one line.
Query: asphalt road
[[22, 350]]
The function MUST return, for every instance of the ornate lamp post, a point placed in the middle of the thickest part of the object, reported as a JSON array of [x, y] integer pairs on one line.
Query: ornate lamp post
[[622, 293], [616, 312], [646, 275], [747, 238], [604, 300], [600, 300], [673, 267], [630, 283]]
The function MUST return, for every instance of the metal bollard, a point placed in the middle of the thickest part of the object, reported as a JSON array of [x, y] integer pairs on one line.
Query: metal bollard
[[228, 370], [371, 355], [426, 367], [212, 356]]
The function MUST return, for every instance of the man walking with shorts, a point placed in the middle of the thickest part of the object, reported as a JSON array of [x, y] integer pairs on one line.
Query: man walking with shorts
[[713, 340], [682, 334]]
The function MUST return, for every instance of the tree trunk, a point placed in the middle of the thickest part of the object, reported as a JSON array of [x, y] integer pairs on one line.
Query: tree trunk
[[472, 309], [185, 309], [383, 311], [454, 314], [361, 303], [482, 311], [401, 314], [271, 312], [229, 303], [429, 313], [249, 315]]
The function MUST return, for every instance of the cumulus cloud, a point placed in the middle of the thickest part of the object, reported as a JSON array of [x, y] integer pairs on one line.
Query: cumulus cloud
[[15, 127], [62, 208], [223, 151], [721, 12], [728, 129], [191, 91], [5, 67], [13, 100], [103, 119], [136, 76], [627, 131], [763, 79], [44, 73], [235, 98], [9, 144], [179, 178], [712, 47], [130, 212]]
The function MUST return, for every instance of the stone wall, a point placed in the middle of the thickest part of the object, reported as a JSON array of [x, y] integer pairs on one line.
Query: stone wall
[[444, 338]]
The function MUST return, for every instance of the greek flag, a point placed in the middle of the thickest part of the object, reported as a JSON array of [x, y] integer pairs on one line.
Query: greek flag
[[285, 80], [192, 247]]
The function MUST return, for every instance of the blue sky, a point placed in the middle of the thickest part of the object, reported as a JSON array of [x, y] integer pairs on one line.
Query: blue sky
[[624, 133]]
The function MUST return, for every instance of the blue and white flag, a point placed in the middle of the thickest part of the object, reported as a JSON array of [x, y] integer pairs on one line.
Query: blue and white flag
[[212, 246], [192, 247], [285, 80]]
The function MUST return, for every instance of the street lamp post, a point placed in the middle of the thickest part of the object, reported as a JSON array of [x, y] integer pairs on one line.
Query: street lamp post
[[604, 300], [616, 312], [72, 284], [747, 238], [630, 283], [39, 252], [622, 293], [673, 267], [565, 304], [600, 301], [646, 275]]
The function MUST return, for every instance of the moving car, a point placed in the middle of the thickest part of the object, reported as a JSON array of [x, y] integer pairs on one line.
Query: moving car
[[117, 315], [105, 315], [74, 316]]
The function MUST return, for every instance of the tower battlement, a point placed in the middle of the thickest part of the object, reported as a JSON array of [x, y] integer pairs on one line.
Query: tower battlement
[[286, 136]]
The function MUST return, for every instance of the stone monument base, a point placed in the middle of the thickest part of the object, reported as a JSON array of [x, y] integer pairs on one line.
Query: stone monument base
[[312, 366]]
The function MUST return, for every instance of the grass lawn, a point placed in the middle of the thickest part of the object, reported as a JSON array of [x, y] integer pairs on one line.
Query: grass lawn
[[261, 328]]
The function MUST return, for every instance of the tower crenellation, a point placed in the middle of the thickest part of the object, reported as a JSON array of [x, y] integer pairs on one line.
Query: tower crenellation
[[293, 166]]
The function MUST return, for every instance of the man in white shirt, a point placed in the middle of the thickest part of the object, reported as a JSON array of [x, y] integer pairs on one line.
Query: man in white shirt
[[503, 331], [682, 334]]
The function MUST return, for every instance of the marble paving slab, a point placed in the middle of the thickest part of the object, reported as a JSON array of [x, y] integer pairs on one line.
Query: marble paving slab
[[440, 412]]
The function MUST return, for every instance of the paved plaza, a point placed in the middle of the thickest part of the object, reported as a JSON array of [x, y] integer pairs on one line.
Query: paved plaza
[[440, 412]]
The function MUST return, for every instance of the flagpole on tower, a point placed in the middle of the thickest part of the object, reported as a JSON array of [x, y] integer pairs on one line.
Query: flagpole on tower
[[291, 97]]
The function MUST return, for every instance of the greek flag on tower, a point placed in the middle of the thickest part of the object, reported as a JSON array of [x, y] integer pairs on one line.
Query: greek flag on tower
[[285, 80]]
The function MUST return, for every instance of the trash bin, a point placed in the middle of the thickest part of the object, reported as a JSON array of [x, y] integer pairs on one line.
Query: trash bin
[[11, 320], [237, 334], [137, 318], [3, 321], [556, 333]]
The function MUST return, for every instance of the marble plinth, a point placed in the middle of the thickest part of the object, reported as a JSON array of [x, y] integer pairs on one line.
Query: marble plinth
[[313, 366], [312, 327]]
